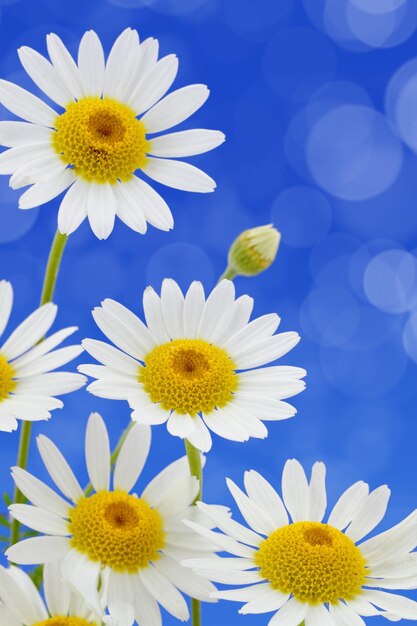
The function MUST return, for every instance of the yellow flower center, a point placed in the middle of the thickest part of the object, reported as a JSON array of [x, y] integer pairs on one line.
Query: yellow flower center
[[189, 376], [64, 620], [117, 529], [101, 139], [314, 562], [7, 384]]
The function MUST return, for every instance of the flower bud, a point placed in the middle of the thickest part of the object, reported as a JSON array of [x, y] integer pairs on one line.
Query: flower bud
[[254, 250]]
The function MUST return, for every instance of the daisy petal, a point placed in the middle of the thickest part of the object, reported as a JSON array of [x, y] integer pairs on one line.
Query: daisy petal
[[121, 64], [120, 598], [264, 495], [91, 64], [179, 175], [64, 65], [271, 600], [180, 425], [128, 208], [39, 520], [97, 452], [295, 490], [193, 309], [318, 616], [58, 468], [43, 192], [147, 610], [132, 457], [26, 105], [393, 603], [155, 84], [101, 209], [346, 507], [291, 614], [369, 514], [38, 493], [43, 74], [153, 206], [73, 209], [344, 616], [318, 497], [57, 594], [165, 592], [172, 302], [29, 332], [6, 304], [186, 143], [38, 550], [175, 108], [200, 436]]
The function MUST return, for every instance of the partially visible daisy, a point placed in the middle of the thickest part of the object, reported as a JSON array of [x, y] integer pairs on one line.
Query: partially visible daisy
[[304, 568], [28, 385], [22, 605], [131, 544], [197, 363], [104, 132]]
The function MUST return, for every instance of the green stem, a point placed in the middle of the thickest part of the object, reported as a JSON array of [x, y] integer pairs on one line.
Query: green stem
[[196, 612], [89, 488], [49, 282], [194, 461], [228, 273]]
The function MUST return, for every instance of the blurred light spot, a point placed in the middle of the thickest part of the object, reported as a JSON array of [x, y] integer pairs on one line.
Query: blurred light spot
[[401, 102], [360, 259], [252, 17], [410, 337], [353, 154], [325, 98], [329, 315], [297, 61], [303, 215], [14, 222], [378, 217], [333, 246], [378, 6], [132, 4], [374, 29], [100, 271], [367, 373], [390, 281], [362, 25], [184, 262]]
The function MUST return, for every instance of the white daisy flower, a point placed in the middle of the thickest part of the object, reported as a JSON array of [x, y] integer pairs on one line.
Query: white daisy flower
[[109, 113], [197, 363], [304, 568], [132, 544], [28, 384], [22, 605]]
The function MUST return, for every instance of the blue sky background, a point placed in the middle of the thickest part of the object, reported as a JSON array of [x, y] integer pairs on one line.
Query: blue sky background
[[318, 100]]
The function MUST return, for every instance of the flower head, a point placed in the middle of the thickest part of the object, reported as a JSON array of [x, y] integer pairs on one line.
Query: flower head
[[197, 363], [131, 544], [254, 250], [22, 604], [294, 563], [109, 113], [28, 384]]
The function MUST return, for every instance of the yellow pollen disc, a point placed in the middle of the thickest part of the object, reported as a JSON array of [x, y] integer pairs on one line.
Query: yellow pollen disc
[[7, 384], [64, 620], [314, 562], [117, 529], [101, 139], [189, 376]]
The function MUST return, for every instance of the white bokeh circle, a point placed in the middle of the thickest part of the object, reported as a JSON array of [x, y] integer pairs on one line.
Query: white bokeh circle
[[352, 152]]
